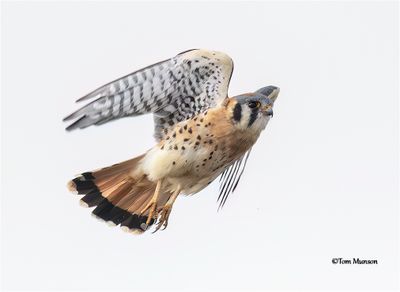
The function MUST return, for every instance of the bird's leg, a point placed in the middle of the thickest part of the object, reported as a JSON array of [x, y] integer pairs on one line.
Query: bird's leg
[[152, 205], [166, 210]]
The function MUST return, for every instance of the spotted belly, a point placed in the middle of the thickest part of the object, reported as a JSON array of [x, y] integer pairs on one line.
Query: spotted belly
[[195, 152]]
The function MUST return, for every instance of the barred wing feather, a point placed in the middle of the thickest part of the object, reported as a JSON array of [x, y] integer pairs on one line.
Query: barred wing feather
[[173, 90]]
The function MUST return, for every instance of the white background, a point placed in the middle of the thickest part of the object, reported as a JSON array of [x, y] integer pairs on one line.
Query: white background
[[322, 181]]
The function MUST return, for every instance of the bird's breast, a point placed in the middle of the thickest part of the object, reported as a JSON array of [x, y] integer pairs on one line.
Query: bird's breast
[[197, 150]]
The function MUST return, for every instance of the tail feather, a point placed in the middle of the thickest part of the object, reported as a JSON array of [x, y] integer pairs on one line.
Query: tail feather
[[117, 195], [91, 199]]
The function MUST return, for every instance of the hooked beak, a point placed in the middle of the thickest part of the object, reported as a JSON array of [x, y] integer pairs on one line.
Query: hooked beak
[[267, 110]]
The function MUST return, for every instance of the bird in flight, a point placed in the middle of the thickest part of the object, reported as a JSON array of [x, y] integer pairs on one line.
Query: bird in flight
[[201, 134]]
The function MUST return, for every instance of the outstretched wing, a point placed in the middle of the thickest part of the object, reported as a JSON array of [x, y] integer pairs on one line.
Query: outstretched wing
[[230, 178], [174, 90]]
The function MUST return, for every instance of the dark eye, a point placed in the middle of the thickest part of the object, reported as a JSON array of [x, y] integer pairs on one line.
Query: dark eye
[[254, 104]]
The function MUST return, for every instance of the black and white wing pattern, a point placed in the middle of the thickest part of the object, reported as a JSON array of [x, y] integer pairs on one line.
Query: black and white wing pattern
[[230, 178], [173, 90]]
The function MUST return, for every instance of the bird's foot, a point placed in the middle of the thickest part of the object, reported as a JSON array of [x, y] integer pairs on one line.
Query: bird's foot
[[152, 205], [163, 221], [152, 208]]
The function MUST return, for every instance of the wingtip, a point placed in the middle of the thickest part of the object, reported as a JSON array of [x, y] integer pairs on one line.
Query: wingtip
[[67, 118], [71, 116], [181, 53], [75, 125], [82, 98], [69, 128]]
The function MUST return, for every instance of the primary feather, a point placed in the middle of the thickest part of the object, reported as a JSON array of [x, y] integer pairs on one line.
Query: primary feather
[[173, 90]]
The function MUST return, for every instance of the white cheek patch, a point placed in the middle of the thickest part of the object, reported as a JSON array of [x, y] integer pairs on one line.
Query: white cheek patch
[[261, 123], [244, 121], [258, 125]]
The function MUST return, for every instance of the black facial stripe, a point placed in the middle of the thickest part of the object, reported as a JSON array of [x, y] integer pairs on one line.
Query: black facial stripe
[[253, 116], [237, 112]]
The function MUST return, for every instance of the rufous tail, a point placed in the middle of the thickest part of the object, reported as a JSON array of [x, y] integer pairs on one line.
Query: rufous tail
[[118, 193]]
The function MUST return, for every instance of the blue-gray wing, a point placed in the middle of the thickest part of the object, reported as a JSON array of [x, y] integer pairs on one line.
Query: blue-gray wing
[[173, 90]]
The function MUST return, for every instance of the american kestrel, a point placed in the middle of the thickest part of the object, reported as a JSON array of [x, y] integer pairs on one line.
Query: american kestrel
[[201, 134]]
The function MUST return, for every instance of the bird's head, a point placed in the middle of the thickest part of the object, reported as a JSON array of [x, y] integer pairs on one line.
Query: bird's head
[[253, 110]]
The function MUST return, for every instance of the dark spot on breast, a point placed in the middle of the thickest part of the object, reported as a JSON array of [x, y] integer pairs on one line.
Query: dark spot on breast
[[183, 148], [176, 147], [203, 164], [198, 125], [167, 138], [210, 142], [185, 140], [190, 130], [198, 137], [205, 160], [173, 162], [201, 120], [195, 119], [174, 135], [180, 131], [197, 143], [165, 131], [185, 127], [162, 147]]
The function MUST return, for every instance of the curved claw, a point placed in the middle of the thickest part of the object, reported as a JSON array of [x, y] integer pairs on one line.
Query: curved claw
[[166, 211], [163, 222]]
